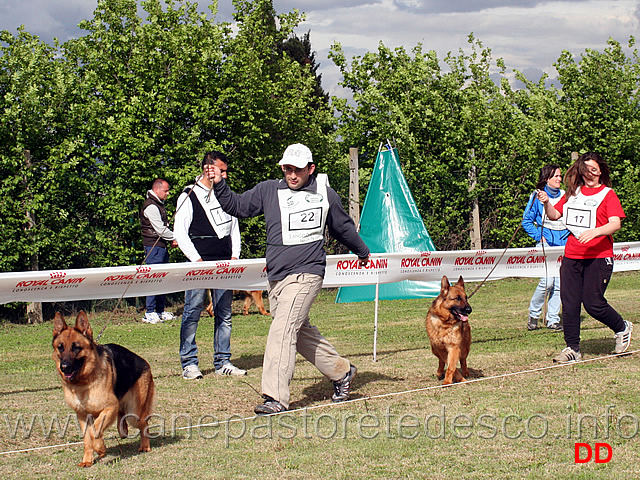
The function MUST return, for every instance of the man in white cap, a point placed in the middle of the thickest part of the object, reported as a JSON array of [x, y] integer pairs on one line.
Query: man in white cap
[[296, 210]]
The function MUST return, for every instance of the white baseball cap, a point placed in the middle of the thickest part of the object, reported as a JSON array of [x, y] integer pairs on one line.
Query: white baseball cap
[[297, 155]]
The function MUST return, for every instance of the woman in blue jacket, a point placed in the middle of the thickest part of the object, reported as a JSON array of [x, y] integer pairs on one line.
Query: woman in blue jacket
[[553, 233]]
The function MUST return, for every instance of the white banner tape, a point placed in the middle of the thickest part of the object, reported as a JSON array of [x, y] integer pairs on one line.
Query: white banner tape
[[342, 270]]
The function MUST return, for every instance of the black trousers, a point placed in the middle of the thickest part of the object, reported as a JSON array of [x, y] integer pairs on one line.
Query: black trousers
[[584, 282]]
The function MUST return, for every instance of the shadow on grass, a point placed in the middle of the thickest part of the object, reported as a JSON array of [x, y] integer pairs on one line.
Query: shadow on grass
[[246, 362], [123, 450], [30, 390], [323, 389], [597, 346]]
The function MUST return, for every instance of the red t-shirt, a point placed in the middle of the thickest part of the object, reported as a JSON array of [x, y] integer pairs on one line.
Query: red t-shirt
[[599, 247]]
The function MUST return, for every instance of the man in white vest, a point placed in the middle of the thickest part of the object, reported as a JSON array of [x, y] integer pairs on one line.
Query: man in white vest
[[205, 232], [296, 209]]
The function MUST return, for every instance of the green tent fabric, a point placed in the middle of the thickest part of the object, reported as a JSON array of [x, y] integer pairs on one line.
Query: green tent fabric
[[390, 222]]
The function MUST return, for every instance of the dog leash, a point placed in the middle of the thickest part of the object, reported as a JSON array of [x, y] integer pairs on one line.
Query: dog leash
[[497, 263]]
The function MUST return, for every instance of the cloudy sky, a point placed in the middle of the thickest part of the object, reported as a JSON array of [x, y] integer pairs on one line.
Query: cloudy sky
[[528, 34]]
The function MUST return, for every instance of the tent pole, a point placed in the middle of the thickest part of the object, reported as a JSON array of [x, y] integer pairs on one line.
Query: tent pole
[[375, 323]]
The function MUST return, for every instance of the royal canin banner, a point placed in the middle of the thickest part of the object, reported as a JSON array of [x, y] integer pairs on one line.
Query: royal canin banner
[[342, 270]]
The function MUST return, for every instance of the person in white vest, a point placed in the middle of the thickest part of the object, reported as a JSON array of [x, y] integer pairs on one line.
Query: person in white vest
[[592, 212], [552, 233], [296, 209], [205, 232]]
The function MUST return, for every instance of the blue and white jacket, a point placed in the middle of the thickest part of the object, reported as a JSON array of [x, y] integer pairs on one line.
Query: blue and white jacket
[[554, 231]]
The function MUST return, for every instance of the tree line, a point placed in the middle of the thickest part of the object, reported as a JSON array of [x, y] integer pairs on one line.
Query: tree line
[[87, 125]]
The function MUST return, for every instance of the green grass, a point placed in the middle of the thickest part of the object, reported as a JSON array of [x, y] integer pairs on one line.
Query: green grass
[[400, 424]]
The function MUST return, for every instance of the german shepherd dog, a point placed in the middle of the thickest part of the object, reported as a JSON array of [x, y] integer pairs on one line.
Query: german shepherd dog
[[449, 331], [102, 383], [254, 296], [249, 296]]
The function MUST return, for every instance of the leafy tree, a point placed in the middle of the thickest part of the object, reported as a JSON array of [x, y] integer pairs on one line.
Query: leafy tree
[[445, 123], [268, 101], [300, 50], [600, 105], [40, 194]]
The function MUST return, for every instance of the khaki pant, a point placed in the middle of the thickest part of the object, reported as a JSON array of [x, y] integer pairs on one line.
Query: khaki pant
[[290, 300]]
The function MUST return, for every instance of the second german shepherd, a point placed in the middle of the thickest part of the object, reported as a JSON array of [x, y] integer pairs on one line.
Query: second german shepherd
[[249, 296], [449, 331], [102, 383]]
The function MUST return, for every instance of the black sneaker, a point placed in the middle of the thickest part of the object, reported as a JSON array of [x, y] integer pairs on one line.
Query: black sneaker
[[269, 407], [555, 327], [341, 387], [532, 323]]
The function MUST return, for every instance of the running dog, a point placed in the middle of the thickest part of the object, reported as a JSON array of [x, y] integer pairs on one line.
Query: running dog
[[102, 383], [249, 296], [449, 331], [256, 297]]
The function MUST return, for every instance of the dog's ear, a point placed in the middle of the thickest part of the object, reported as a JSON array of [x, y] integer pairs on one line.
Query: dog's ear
[[59, 325], [444, 285], [82, 325], [460, 282]]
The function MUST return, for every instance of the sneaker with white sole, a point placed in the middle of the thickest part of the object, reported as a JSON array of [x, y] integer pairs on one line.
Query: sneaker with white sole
[[568, 355], [342, 387], [152, 318], [230, 369], [191, 372], [167, 316], [623, 338], [269, 407]]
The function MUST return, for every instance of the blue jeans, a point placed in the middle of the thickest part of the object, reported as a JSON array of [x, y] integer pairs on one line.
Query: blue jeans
[[153, 255], [546, 286], [193, 306]]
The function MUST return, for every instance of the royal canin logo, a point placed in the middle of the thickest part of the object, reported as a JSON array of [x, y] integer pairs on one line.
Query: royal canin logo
[[533, 251], [222, 264], [58, 274], [143, 269], [625, 249], [425, 254], [479, 253]]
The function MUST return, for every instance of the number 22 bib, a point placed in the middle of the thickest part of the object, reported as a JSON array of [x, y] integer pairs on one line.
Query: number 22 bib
[[303, 214]]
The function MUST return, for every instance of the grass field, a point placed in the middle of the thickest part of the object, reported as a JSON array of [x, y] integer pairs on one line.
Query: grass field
[[519, 416]]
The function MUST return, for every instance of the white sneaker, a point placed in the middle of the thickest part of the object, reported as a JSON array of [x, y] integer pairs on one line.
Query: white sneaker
[[230, 369], [167, 316], [191, 372], [623, 338], [151, 318], [568, 355]]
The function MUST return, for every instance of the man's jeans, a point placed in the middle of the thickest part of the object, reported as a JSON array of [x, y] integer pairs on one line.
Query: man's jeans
[[154, 255], [193, 306]]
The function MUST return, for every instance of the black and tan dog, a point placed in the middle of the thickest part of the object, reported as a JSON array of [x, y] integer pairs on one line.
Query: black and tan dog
[[449, 331], [102, 383], [254, 296]]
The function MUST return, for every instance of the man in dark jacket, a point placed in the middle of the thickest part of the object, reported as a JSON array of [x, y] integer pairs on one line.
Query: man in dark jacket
[[296, 209], [156, 236]]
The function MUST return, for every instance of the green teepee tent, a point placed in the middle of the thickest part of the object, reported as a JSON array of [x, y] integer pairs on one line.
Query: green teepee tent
[[390, 222]]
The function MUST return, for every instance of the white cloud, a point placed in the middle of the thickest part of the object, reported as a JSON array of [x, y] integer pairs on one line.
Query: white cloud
[[528, 34]]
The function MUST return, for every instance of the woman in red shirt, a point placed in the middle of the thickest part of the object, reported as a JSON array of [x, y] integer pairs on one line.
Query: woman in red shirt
[[592, 212]]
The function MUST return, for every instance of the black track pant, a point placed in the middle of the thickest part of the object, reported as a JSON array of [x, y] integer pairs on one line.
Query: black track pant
[[584, 282]]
